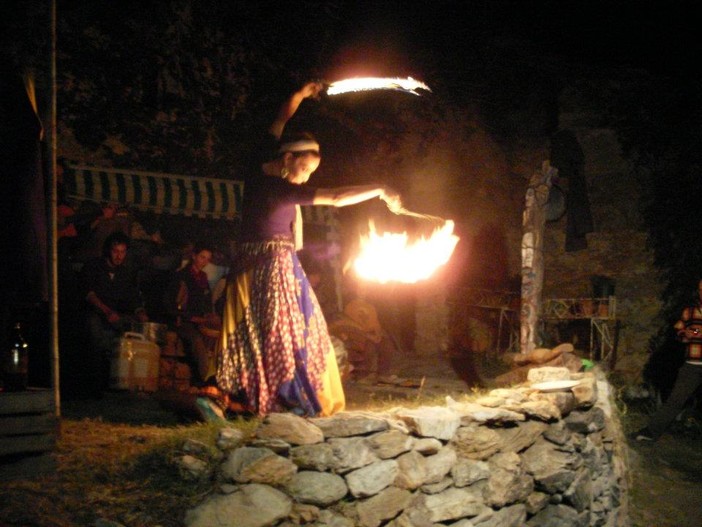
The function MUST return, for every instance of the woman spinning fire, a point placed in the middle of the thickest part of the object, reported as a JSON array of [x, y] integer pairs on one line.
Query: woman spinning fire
[[277, 355]]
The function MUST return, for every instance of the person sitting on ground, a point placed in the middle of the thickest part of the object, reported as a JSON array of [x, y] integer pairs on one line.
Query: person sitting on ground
[[189, 304], [113, 300]]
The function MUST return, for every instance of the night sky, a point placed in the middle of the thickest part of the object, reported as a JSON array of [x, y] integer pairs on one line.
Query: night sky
[[658, 36]]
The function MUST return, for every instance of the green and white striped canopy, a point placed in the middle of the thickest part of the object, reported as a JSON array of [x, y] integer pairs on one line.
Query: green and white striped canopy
[[151, 191]]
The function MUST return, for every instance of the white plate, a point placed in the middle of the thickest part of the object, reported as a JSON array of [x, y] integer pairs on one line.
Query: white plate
[[555, 386]]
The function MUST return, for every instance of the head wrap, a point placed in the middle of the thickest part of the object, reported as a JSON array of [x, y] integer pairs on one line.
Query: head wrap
[[302, 145]]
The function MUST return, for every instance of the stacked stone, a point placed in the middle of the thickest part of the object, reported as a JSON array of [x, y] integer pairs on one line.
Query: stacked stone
[[515, 457]]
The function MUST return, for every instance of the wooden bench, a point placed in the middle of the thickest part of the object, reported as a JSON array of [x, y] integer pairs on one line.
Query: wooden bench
[[28, 433]]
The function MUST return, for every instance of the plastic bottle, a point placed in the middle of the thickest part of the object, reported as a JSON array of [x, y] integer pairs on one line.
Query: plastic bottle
[[15, 361]]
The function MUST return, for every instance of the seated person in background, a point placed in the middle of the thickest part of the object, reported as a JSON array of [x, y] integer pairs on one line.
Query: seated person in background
[[113, 300], [189, 304]]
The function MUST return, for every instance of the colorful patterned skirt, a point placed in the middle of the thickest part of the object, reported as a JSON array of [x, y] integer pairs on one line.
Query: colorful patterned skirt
[[276, 352]]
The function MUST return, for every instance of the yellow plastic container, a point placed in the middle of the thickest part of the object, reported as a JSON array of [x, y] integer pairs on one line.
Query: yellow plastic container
[[135, 364]]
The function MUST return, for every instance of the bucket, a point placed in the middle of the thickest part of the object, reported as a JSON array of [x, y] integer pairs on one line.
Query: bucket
[[135, 364]]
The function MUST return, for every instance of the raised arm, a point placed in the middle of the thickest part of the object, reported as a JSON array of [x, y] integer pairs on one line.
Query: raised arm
[[351, 195], [289, 107]]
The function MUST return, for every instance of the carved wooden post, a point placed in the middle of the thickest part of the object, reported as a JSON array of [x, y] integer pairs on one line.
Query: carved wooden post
[[532, 254]]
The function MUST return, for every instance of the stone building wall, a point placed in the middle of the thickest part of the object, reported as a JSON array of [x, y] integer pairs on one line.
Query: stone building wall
[[618, 246], [516, 457]]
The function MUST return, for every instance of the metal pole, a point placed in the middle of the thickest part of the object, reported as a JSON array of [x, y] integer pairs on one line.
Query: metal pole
[[53, 219]]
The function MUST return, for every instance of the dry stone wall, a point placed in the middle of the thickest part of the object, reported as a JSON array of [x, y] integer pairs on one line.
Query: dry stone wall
[[516, 457]]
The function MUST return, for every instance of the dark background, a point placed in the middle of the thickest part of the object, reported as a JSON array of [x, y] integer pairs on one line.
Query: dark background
[[173, 75]]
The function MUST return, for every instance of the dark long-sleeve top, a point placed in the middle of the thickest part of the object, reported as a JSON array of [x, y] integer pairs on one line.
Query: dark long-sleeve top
[[116, 287], [268, 209], [197, 301]]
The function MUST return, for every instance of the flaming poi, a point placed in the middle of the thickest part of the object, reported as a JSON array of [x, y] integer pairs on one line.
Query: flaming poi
[[392, 257], [356, 84]]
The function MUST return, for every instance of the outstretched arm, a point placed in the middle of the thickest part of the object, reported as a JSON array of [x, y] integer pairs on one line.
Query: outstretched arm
[[289, 107], [351, 195]]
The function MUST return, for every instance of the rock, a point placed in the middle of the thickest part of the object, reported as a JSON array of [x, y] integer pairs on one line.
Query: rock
[[439, 486], [580, 492], [328, 518], [586, 422], [384, 506], [544, 408], [347, 424], [319, 456], [536, 501], [371, 479], [304, 513], [390, 444], [276, 445], [585, 392], [289, 428], [438, 465], [436, 422], [556, 516], [239, 459], [549, 373], [192, 468], [427, 445], [473, 412], [229, 438], [508, 481], [512, 516], [552, 469], [520, 437], [349, 453], [475, 442], [454, 504], [412, 472], [251, 506], [318, 488], [468, 471]]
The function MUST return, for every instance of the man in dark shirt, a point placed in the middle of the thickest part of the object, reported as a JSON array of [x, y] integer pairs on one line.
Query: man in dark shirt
[[113, 300]]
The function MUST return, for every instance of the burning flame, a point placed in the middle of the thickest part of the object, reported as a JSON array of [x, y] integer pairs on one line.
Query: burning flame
[[376, 83], [389, 257]]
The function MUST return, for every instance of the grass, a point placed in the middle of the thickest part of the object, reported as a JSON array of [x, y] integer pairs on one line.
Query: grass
[[114, 469], [116, 459]]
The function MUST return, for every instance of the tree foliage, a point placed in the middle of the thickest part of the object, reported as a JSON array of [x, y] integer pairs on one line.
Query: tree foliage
[[659, 123], [174, 86]]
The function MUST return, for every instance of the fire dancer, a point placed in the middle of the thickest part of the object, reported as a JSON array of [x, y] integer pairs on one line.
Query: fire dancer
[[277, 354]]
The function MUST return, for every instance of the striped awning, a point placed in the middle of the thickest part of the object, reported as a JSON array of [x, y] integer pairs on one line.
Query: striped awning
[[203, 197]]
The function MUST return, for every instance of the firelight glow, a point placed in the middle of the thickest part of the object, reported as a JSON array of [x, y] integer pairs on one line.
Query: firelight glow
[[389, 257], [355, 84]]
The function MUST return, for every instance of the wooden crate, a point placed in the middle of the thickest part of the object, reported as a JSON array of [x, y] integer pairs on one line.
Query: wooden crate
[[28, 433]]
